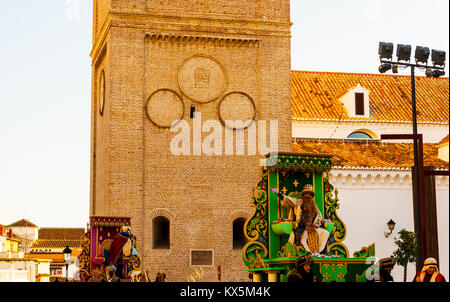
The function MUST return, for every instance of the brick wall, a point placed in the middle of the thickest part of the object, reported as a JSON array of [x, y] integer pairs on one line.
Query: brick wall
[[134, 173]]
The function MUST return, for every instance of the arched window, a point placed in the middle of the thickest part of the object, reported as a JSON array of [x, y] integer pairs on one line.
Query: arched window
[[239, 239], [161, 233], [358, 134], [363, 134]]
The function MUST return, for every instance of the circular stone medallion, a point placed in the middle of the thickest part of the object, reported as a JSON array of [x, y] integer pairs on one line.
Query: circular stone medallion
[[164, 107], [237, 107], [101, 94], [202, 79]]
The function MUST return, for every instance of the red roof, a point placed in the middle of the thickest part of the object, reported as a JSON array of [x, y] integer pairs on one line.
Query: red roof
[[370, 154], [56, 244], [57, 238], [316, 95], [23, 223], [444, 140], [61, 233]]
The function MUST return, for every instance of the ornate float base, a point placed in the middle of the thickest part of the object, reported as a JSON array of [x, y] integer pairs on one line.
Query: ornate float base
[[324, 269], [269, 254]]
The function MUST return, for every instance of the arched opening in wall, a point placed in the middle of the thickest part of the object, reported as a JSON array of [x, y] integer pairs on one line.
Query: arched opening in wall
[[362, 134], [239, 239], [161, 233]]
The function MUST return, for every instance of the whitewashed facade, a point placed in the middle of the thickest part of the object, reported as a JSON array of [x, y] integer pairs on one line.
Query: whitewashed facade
[[370, 198]]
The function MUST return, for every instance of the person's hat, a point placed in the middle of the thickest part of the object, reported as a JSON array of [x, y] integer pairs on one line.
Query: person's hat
[[308, 189], [387, 262], [302, 260], [111, 268], [125, 228], [430, 262]]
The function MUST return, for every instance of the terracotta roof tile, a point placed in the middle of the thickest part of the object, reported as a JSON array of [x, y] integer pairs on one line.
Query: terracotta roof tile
[[371, 155], [56, 257], [444, 140], [61, 233], [56, 244], [315, 95], [23, 223], [56, 238]]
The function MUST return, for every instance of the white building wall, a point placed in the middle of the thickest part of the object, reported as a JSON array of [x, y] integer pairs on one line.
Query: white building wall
[[73, 271], [313, 129], [17, 271], [26, 233], [442, 205], [2, 244], [444, 152], [368, 200]]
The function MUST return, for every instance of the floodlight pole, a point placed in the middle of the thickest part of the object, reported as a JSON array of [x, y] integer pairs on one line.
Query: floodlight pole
[[418, 192], [418, 195], [418, 184], [418, 178]]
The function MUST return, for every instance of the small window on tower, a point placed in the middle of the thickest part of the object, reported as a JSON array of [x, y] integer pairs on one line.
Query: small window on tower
[[161, 233], [359, 104], [192, 112], [239, 240]]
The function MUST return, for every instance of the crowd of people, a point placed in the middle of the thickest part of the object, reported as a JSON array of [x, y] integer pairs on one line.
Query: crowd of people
[[429, 272]]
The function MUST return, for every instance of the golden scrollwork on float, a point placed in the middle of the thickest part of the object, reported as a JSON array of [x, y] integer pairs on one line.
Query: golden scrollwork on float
[[331, 206], [83, 259]]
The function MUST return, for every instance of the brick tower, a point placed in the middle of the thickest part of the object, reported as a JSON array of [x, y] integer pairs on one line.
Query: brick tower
[[156, 61]]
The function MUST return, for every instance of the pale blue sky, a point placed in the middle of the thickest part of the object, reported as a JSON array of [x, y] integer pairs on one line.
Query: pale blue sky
[[45, 86]]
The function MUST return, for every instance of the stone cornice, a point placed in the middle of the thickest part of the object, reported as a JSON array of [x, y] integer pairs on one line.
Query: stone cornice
[[211, 40], [170, 17], [100, 40], [222, 25]]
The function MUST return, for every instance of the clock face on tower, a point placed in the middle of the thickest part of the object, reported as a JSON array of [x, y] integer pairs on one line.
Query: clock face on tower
[[101, 90]]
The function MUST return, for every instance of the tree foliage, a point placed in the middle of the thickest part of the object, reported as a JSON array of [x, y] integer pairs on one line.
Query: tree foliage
[[406, 248], [406, 251]]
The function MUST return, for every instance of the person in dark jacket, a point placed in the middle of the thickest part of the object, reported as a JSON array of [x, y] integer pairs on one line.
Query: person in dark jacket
[[386, 266], [304, 272]]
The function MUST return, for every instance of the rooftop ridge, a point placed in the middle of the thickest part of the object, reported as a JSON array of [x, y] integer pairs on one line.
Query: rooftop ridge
[[354, 140], [369, 155], [362, 73], [22, 223]]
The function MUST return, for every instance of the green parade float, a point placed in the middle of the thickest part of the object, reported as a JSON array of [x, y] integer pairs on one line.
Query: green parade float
[[269, 255]]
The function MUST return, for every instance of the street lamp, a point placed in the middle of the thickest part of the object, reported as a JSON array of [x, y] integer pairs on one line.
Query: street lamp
[[67, 253], [391, 226], [422, 54]]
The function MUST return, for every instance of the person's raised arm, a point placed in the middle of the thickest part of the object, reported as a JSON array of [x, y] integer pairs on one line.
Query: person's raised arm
[[278, 193]]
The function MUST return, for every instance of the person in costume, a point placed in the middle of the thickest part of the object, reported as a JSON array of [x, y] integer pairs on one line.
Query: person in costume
[[304, 273], [430, 272], [158, 277], [307, 228], [110, 275], [386, 266], [122, 245]]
